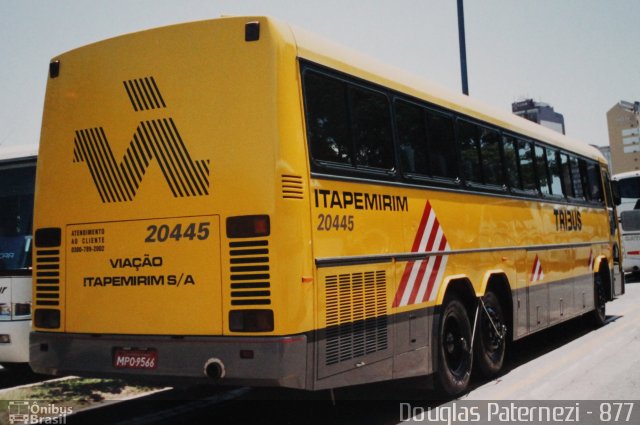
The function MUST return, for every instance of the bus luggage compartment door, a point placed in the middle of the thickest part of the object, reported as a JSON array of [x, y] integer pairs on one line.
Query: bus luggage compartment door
[[158, 276]]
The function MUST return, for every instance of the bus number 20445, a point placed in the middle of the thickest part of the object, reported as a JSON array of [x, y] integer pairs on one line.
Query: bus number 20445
[[329, 222], [191, 231]]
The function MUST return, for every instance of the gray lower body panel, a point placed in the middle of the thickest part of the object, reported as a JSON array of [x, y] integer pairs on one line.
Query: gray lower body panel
[[276, 361]]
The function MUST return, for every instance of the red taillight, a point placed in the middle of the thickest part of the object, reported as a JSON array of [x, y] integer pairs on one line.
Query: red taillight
[[248, 226], [251, 320]]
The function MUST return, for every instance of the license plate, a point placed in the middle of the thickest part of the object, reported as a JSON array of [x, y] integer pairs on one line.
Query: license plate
[[135, 359]]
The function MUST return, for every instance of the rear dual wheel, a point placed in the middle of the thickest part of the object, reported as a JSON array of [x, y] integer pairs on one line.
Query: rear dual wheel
[[454, 344], [490, 339], [455, 359]]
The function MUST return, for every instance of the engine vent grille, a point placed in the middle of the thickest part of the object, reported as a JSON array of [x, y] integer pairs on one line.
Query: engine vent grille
[[292, 187], [356, 315], [47, 277], [250, 273]]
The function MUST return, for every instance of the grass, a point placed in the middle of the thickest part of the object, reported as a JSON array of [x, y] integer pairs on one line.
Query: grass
[[73, 393]]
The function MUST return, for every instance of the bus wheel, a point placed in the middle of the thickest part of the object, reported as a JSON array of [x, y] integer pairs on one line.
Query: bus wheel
[[491, 337], [600, 299], [454, 344]]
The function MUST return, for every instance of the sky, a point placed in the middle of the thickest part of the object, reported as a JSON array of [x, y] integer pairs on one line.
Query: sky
[[579, 56]]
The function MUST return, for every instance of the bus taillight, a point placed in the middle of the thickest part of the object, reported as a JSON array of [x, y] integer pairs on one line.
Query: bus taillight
[[248, 226], [251, 320], [47, 318]]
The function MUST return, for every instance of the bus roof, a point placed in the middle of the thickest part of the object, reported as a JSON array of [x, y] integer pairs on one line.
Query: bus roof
[[18, 152], [324, 52], [626, 175], [328, 53]]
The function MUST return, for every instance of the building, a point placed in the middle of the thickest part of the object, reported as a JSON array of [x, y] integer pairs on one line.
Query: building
[[540, 113], [623, 120]]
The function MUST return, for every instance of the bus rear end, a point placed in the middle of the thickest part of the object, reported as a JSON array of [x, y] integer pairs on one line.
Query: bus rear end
[[162, 217]]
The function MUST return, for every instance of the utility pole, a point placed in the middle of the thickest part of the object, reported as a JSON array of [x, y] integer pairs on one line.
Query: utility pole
[[463, 48]]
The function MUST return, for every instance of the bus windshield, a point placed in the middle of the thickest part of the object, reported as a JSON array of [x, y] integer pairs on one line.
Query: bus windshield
[[17, 184], [629, 187]]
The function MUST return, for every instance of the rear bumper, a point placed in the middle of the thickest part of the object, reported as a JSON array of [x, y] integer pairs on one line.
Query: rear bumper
[[277, 361], [16, 351]]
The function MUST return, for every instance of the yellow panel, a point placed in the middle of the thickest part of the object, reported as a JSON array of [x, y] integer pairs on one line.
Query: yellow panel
[[159, 276]]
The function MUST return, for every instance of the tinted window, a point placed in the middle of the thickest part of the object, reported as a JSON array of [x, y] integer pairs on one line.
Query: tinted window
[[565, 170], [576, 178], [541, 171], [490, 154], [442, 150], [327, 119], [594, 182], [554, 171], [629, 187], [371, 128], [525, 156], [410, 122], [511, 162], [630, 220], [469, 152], [16, 215]]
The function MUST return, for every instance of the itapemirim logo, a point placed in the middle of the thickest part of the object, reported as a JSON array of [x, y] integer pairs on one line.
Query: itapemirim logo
[[156, 139]]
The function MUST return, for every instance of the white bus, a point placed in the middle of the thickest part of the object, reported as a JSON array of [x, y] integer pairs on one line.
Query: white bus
[[17, 182], [629, 211]]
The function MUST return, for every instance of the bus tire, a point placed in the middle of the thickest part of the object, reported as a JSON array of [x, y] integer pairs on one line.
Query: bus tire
[[490, 346], [599, 315], [454, 343]]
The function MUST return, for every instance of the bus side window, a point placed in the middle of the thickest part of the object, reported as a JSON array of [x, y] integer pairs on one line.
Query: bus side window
[[595, 182], [565, 170], [441, 146], [525, 156], [554, 172], [576, 178], [582, 165], [371, 128], [511, 162], [541, 171], [469, 151], [412, 140], [327, 119], [490, 156]]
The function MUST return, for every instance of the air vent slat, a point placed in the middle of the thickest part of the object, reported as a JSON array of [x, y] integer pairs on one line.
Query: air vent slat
[[356, 315], [249, 287], [292, 187], [47, 277]]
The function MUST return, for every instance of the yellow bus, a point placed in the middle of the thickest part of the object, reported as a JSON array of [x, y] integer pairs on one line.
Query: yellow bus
[[238, 201]]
